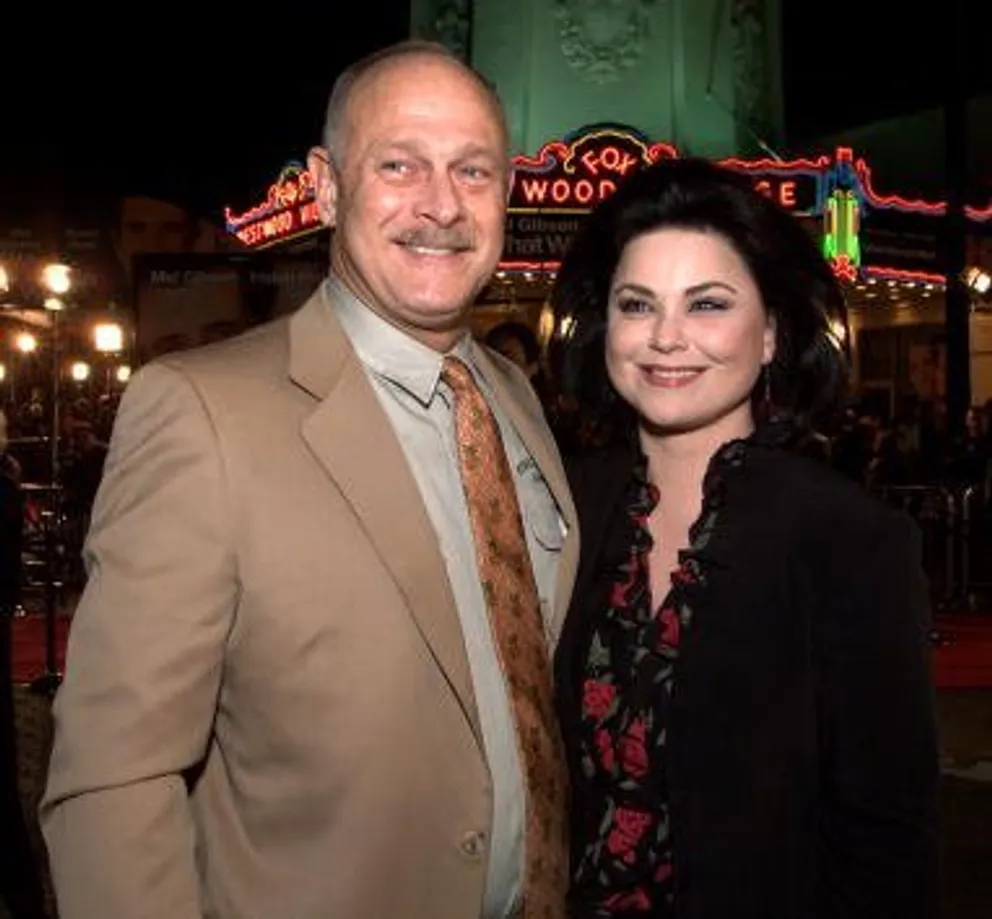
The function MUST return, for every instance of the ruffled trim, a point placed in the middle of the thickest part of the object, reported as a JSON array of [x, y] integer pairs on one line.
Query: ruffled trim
[[706, 532]]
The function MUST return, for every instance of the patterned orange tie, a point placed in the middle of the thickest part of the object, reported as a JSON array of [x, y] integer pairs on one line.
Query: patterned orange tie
[[516, 623]]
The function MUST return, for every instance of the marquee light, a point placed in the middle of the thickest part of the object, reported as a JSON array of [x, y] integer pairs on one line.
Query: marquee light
[[877, 272]]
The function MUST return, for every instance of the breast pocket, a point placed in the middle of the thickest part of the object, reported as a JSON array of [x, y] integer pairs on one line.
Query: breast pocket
[[545, 536], [540, 511]]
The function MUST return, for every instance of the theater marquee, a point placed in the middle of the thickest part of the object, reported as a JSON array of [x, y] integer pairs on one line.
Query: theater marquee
[[553, 190], [860, 231]]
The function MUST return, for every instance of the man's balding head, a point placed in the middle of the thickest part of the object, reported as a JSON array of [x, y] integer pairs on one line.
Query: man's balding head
[[402, 53]]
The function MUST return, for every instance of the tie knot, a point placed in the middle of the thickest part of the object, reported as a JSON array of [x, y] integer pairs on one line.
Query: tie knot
[[456, 374]]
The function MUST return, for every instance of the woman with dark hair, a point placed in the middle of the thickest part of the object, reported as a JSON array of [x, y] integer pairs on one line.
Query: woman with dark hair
[[743, 676]]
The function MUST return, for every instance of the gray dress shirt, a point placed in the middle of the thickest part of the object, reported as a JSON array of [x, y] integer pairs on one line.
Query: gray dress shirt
[[405, 376]]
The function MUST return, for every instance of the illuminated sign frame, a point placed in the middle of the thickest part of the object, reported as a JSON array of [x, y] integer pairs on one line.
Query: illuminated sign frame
[[573, 175], [288, 211], [552, 190]]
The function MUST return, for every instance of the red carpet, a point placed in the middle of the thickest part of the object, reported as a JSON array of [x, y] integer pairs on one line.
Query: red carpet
[[29, 646], [962, 658]]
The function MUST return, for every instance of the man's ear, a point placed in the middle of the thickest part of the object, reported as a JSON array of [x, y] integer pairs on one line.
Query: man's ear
[[325, 184]]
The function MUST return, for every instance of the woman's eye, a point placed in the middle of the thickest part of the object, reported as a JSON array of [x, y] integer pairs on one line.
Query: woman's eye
[[633, 305], [707, 305]]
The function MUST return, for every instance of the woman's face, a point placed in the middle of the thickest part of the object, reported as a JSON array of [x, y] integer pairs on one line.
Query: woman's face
[[687, 333]]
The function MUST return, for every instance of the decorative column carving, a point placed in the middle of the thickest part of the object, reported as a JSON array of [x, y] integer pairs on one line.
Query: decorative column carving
[[752, 76], [602, 38], [450, 23]]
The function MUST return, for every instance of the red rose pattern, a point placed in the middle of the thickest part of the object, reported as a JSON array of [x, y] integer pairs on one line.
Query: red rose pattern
[[628, 828], [632, 900], [628, 866], [598, 699], [670, 627], [604, 745], [633, 755]]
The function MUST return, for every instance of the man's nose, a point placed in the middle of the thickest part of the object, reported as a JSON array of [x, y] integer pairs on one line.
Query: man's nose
[[441, 200]]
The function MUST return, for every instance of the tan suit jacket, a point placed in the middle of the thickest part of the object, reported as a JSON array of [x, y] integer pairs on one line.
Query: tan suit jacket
[[267, 709]]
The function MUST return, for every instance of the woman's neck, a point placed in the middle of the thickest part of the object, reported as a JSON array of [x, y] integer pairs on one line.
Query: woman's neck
[[677, 462]]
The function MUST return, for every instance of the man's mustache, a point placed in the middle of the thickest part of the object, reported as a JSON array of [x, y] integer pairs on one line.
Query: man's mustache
[[455, 239]]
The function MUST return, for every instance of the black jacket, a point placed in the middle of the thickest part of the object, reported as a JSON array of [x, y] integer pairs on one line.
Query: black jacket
[[801, 754]]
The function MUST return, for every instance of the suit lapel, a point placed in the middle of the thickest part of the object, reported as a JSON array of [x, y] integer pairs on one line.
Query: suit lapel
[[528, 420], [351, 436]]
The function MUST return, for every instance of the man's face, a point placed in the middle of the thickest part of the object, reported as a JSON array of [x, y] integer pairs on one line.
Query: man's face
[[418, 198]]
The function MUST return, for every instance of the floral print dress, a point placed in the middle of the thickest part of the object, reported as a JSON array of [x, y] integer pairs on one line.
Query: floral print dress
[[627, 867]]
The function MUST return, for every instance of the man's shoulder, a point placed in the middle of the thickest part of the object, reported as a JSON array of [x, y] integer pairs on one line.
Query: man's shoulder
[[254, 351], [244, 370]]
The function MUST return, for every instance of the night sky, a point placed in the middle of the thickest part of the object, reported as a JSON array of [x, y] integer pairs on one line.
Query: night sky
[[205, 112]]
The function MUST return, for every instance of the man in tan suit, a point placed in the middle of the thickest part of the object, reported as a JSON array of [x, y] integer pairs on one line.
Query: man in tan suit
[[282, 696]]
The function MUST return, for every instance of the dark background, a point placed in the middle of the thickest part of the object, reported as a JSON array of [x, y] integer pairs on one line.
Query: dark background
[[203, 103]]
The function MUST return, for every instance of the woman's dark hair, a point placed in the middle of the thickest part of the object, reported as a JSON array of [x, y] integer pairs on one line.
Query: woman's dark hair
[[808, 374]]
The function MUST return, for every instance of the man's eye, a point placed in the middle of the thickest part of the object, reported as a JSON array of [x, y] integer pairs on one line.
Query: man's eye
[[475, 173]]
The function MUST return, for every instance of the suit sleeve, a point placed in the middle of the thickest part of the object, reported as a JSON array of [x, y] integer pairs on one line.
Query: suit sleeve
[[143, 669], [878, 749]]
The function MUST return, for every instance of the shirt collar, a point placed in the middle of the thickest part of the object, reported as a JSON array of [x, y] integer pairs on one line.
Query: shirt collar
[[389, 352]]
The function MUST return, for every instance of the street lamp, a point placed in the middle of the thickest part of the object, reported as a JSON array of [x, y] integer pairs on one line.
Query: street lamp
[[80, 371], [57, 278], [978, 280], [108, 338], [26, 343]]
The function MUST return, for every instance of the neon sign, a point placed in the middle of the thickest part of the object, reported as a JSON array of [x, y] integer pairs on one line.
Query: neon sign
[[553, 190], [783, 191], [863, 234], [289, 210], [577, 174], [841, 221]]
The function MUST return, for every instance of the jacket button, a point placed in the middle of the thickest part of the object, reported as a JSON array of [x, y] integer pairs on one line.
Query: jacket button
[[472, 844]]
